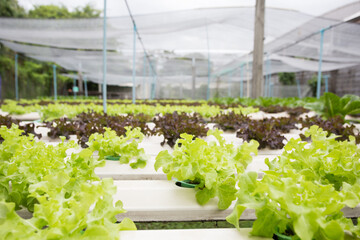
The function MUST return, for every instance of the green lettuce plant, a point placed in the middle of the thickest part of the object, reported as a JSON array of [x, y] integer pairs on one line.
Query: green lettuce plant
[[67, 199], [304, 190], [289, 204], [333, 105], [126, 147], [213, 165], [324, 160]]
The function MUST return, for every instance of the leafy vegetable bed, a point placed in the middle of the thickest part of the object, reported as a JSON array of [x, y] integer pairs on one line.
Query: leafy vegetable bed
[[66, 197], [302, 194]]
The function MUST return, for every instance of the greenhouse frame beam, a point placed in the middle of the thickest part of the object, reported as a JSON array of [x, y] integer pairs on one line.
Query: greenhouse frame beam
[[55, 82], [298, 87], [85, 86], [268, 77], [134, 68], [193, 78], [140, 39], [148, 80], [229, 83], [257, 70], [104, 60], [74, 87], [144, 74], [16, 78], [242, 80], [153, 87], [326, 82], [318, 86], [209, 70]]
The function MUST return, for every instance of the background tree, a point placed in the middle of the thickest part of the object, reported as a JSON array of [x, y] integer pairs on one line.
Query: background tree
[[287, 78], [35, 77], [11, 8], [57, 12]]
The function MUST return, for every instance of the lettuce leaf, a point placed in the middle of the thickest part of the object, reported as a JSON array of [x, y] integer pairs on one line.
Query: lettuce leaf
[[126, 147], [66, 197], [304, 190], [213, 165]]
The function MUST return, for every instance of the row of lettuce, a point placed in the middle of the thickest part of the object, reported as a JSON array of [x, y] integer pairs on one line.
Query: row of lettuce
[[327, 106], [302, 194], [67, 199], [269, 132]]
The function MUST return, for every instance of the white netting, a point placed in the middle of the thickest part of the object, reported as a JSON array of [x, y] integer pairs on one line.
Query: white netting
[[185, 46]]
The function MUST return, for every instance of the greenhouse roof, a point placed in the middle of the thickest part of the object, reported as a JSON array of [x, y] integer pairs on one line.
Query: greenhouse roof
[[220, 41]]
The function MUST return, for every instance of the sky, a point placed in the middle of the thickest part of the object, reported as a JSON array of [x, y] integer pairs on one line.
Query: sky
[[118, 7]]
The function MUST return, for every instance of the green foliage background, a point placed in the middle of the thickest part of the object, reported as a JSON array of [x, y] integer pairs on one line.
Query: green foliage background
[[35, 78], [287, 78]]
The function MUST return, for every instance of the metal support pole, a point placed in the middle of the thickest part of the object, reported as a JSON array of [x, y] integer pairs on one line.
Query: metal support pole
[[326, 83], [318, 87], [153, 87], [85, 86], [193, 78], [104, 60], [74, 85], [16, 78], [148, 80], [134, 68], [269, 79], [229, 83], [298, 87], [242, 80], [247, 77], [144, 74], [265, 93], [151, 83], [55, 82], [265, 86], [209, 71]]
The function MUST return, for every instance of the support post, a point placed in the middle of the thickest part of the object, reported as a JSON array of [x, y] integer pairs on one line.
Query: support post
[[74, 86], [153, 87], [55, 82], [80, 78], [104, 60], [247, 77], [85, 86], [318, 86], [209, 67], [151, 83], [326, 82], [148, 79], [242, 80], [144, 75], [193, 68], [229, 83], [16, 78], [265, 86], [298, 87], [257, 68], [134, 68], [265, 93], [269, 79]]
